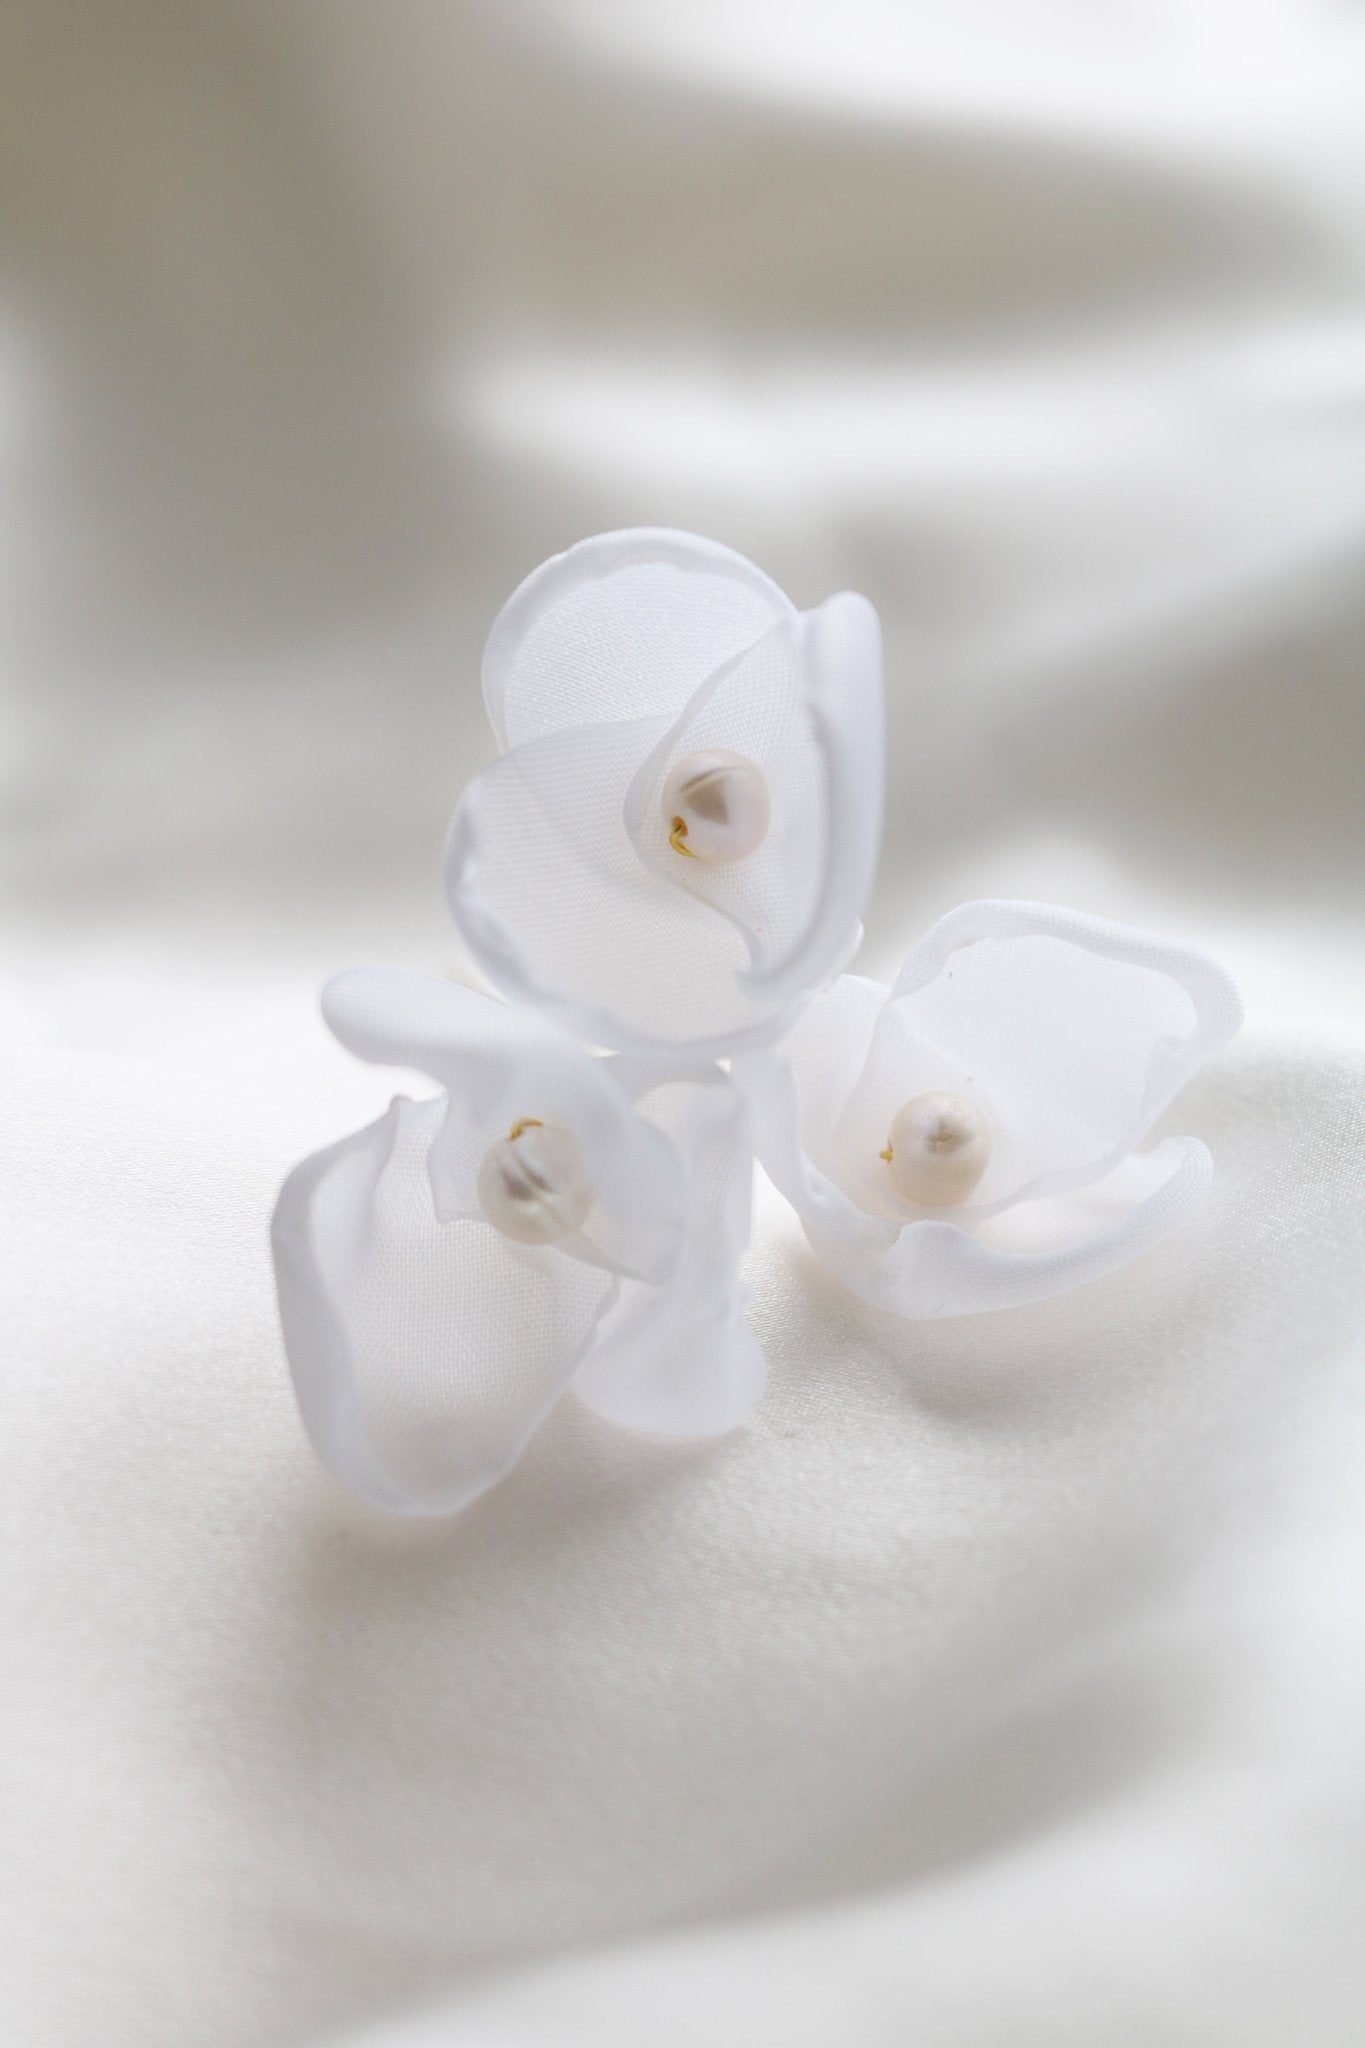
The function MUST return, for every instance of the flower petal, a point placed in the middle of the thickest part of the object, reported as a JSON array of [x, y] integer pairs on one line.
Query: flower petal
[[796, 1096], [844, 679], [1042, 1248], [499, 1066], [1070, 1033], [805, 704], [423, 1354], [678, 1360], [594, 939], [626, 625]]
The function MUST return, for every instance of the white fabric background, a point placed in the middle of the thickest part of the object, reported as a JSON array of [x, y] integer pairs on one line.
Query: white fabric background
[[1004, 1680]]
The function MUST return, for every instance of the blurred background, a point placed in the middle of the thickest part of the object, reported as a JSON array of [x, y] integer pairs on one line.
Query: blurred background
[[1024, 1647], [1042, 322]]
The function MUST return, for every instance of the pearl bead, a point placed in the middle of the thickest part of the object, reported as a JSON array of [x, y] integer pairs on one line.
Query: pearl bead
[[532, 1186], [717, 807], [938, 1150]]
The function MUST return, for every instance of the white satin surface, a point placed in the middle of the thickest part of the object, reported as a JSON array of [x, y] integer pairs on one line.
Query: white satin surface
[[1003, 1678]]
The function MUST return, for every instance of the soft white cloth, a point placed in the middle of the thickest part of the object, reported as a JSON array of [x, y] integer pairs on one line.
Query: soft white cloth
[[1003, 1680]]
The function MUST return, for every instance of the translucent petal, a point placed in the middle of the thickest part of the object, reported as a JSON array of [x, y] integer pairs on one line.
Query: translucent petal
[[1070, 1034], [587, 933], [423, 1354], [846, 705], [796, 1096], [678, 1360], [501, 1066], [934, 1268], [626, 625], [563, 884], [756, 706], [804, 704]]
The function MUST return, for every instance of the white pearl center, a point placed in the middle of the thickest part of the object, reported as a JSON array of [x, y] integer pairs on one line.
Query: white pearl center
[[717, 807], [532, 1185], [939, 1147]]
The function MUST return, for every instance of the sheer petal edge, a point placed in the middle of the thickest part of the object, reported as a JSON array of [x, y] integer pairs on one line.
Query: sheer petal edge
[[934, 1269]]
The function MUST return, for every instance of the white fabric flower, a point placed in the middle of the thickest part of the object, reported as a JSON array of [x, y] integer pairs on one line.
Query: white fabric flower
[[676, 843], [966, 1140], [550, 1219]]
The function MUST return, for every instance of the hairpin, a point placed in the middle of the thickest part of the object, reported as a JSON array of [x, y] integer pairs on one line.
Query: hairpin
[[669, 859]]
